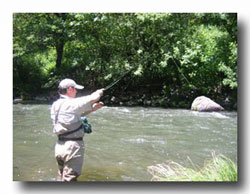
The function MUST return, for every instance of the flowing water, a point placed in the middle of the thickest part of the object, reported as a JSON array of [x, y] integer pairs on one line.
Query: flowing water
[[124, 141]]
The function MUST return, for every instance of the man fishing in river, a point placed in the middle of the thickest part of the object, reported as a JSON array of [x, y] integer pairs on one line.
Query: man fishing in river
[[66, 114]]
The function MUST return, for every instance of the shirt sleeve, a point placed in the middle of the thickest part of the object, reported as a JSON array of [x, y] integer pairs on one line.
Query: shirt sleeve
[[82, 104]]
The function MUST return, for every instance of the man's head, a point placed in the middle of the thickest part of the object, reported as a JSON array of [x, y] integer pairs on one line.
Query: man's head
[[69, 87]]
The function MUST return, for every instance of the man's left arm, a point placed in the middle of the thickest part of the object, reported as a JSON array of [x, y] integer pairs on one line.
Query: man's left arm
[[95, 107]]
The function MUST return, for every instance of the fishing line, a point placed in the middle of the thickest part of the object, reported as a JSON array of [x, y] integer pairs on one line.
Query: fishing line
[[180, 71], [123, 75]]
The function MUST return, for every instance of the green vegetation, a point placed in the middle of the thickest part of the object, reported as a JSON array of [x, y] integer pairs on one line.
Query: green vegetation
[[173, 57], [220, 169]]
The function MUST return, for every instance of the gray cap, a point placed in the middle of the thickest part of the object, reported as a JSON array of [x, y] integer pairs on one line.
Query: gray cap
[[66, 83]]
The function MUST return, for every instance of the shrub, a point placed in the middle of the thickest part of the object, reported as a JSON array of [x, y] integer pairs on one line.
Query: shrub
[[219, 168]]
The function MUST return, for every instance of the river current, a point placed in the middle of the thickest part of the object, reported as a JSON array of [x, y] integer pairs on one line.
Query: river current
[[124, 141]]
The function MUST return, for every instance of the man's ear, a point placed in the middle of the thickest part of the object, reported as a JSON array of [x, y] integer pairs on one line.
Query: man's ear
[[69, 90]]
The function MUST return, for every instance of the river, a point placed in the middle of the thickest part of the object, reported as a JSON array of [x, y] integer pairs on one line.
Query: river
[[124, 141]]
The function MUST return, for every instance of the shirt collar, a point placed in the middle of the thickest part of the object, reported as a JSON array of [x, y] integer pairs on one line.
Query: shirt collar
[[64, 97]]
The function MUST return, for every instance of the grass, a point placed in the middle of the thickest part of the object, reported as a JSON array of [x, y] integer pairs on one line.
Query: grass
[[218, 169]]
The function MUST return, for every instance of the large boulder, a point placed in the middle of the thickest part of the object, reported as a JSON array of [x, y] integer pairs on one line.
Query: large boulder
[[204, 104]]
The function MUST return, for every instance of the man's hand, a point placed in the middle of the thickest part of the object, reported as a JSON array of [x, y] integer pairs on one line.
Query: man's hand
[[97, 106], [96, 95], [100, 91]]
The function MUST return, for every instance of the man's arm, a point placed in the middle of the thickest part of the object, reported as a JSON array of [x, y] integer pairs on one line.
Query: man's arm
[[87, 104], [95, 107], [95, 96]]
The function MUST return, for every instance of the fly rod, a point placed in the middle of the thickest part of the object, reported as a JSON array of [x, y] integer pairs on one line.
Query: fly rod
[[116, 81]]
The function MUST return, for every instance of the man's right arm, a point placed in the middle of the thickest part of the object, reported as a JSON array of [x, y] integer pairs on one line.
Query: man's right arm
[[87, 103], [95, 96]]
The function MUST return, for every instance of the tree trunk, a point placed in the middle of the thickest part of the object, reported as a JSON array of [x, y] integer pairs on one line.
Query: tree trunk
[[59, 52], [60, 40]]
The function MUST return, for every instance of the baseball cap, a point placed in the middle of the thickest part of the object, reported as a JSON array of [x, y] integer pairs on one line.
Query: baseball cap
[[66, 83]]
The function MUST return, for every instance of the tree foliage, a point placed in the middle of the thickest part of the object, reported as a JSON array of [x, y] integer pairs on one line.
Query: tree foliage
[[192, 52]]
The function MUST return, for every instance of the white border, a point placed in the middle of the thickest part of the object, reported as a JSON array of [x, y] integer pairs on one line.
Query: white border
[[8, 7]]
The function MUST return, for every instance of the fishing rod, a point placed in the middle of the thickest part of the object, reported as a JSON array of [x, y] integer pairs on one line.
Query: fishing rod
[[122, 76], [116, 81]]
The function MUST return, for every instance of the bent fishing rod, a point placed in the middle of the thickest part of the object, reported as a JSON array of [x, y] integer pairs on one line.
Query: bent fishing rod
[[116, 81], [121, 77]]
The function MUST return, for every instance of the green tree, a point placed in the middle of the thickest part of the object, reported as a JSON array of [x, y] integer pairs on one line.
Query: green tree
[[180, 53]]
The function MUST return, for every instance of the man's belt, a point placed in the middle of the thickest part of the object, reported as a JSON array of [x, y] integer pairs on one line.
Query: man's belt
[[70, 139], [62, 137]]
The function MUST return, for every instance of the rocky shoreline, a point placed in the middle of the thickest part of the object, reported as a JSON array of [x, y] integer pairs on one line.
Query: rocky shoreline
[[135, 100]]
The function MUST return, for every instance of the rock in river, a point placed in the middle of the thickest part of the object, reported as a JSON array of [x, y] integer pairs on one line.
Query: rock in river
[[203, 104]]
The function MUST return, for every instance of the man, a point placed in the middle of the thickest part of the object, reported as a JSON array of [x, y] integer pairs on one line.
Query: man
[[66, 114]]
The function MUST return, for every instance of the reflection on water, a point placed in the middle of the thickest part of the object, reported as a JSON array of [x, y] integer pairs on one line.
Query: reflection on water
[[124, 141]]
